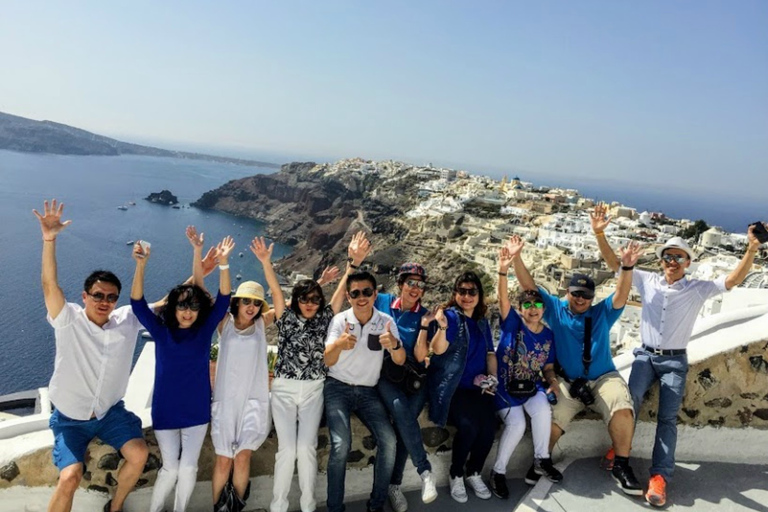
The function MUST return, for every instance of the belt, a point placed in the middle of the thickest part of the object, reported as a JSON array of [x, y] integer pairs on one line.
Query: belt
[[665, 352]]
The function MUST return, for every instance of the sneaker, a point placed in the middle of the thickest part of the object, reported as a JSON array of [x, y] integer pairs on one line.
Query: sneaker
[[475, 481], [531, 477], [397, 499], [498, 483], [626, 477], [657, 491], [458, 491], [607, 461], [428, 488], [544, 467]]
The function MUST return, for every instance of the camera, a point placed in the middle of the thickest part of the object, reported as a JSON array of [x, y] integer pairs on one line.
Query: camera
[[760, 232], [580, 391]]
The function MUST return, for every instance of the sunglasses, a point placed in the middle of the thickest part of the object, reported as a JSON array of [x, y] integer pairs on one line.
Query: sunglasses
[[529, 305], [192, 306], [100, 297], [248, 302], [415, 283], [580, 294], [472, 292], [365, 292], [669, 258], [314, 299]]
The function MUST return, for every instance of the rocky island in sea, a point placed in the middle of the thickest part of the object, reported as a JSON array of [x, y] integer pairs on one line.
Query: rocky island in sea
[[164, 197]]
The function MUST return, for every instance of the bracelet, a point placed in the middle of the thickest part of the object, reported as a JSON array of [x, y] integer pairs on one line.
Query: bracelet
[[223, 267], [443, 328], [49, 239], [423, 327], [601, 233], [505, 274], [627, 268]]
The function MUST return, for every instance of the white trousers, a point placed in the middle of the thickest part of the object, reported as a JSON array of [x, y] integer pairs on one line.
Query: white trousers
[[180, 449], [297, 406], [540, 412]]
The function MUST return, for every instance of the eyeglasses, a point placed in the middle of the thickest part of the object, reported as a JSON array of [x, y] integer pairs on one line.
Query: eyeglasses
[[100, 297], [580, 294], [314, 299], [247, 302], [365, 292], [529, 305], [472, 292], [415, 283], [669, 258], [192, 306]]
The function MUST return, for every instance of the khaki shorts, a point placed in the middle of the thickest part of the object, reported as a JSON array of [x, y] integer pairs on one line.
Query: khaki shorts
[[611, 394]]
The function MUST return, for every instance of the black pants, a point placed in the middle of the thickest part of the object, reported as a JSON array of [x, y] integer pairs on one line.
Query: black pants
[[473, 415]]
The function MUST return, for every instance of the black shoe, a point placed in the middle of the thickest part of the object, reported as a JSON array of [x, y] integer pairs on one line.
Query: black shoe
[[499, 485], [369, 509], [544, 467], [108, 506], [531, 477], [626, 477]]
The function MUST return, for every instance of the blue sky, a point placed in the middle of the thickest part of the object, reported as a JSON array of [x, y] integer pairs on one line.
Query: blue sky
[[666, 94]]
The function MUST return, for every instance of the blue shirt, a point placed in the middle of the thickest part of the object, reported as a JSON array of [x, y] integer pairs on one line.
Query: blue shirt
[[182, 394], [480, 344], [408, 322], [569, 335], [535, 352]]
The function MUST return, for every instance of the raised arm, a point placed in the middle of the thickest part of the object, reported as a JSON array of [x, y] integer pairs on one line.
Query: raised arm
[[521, 272], [629, 256], [359, 247], [506, 258], [600, 219], [141, 257], [264, 255], [51, 226], [736, 277], [209, 263], [224, 249], [329, 275], [439, 342], [196, 240]]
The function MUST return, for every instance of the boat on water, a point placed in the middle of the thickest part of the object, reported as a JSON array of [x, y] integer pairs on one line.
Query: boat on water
[[131, 203], [130, 242], [238, 277], [241, 254], [176, 207], [122, 207]]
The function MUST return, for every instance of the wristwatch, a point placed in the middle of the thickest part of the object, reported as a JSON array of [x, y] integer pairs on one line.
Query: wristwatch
[[352, 263]]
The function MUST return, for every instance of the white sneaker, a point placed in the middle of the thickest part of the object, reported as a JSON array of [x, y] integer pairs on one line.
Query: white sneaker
[[397, 499], [428, 489], [458, 491], [476, 483]]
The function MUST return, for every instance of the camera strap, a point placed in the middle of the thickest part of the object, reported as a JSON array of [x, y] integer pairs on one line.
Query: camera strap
[[586, 356]]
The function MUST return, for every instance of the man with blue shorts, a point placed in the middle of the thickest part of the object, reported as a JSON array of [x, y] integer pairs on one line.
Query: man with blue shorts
[[94, 350]]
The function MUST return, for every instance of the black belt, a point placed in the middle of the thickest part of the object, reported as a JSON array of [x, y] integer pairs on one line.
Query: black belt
[[664, 352]]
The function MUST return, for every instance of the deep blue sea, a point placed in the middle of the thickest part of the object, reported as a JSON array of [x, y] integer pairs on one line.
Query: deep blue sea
[[92, 188]]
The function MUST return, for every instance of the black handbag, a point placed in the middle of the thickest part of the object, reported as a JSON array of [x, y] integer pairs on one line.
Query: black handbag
[[410, 376], [519, 388]]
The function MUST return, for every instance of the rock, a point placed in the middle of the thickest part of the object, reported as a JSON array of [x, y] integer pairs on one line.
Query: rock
[[749, 396], [706, 379], [691, 413], [761, 413], [109, 461], [371, 460], [110, 480], [141, 482], [720, 403], [355, 456], [745, 416], [163, 197], [98, 488], [9, 472], [369, 443], [758, 364], [87, 476], [322, 442], [153, 463], [434, 436]]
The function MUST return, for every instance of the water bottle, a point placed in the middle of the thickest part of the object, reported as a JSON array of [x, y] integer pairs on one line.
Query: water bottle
[[552, 397]]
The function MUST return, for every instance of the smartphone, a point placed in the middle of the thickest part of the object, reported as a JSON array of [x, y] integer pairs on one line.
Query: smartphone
[[760, 232], [144, 247], [374, 343]]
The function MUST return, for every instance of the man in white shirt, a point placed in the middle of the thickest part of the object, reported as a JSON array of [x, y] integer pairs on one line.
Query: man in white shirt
[[671, 302], [94, 350], [354, 353]]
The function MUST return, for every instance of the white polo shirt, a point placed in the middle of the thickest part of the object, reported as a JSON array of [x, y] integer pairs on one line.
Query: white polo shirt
[[669, 311], [93, 363], [360, 366]]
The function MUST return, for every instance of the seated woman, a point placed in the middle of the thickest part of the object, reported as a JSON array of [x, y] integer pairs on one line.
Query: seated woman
[[526, 351], [181, 401], [462, 381]]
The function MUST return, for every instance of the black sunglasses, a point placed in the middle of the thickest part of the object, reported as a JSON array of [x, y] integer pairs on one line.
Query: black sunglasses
[[314, 299], [415, 283], [472, 292], [192, 306], [580, 294], [365, 292], [669, 258], [100, 297], [247, 302]]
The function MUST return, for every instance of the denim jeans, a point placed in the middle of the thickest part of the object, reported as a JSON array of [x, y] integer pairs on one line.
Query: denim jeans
[[405, 410], [671, 372], [341, 400]]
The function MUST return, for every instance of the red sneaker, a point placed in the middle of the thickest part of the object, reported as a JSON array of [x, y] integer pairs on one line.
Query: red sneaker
[[607, 462], [657, 491]]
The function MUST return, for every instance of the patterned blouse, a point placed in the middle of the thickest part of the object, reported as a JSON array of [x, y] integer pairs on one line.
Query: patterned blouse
[[301, 345]]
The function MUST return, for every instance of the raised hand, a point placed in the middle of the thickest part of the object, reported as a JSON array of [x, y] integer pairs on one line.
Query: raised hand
[[359, 247], [194, 238], [50, 221], [347, 340], [753, 242], [260, 249], [140, 252], [599, 218], [329, 275], [515, 245], [223, 249], [630, 254], [210, 261], [386, 339]]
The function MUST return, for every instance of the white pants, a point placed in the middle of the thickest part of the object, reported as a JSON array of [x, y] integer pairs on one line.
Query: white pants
[[540, 412], [296, 401], [180, 450]]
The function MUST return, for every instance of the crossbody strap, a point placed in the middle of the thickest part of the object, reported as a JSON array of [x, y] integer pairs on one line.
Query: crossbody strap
[[586, 356]]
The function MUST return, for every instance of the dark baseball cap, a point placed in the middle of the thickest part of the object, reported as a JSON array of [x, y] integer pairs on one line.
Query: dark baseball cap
[[582, 283]]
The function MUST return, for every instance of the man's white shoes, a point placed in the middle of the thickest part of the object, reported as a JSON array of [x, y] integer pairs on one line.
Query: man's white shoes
[[428, 489], [397, 499], [458, 491], [481, 490]]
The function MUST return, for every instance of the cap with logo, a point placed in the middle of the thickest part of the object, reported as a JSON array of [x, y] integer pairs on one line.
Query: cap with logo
[[582, 283]]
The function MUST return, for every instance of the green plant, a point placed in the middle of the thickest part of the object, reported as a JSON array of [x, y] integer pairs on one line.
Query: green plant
[[271, 360], [215, 352]]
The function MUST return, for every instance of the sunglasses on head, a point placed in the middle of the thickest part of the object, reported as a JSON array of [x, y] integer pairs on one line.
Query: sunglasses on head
[[100, 297], [669, 258], [188, 305], [415, 283], [529, 305], [580, 294], [472, 292], [314, 299], [365, 292]]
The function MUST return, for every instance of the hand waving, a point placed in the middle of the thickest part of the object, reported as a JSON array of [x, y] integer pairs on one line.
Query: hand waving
[[50, 221], [195, 239], [329, 275], [224, 248], [599, 218], [210, 261], [359, 247], [630, 254], [260, 249]]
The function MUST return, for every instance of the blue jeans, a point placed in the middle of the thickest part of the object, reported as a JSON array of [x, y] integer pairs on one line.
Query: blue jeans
[[405, 410], [671, 372], [341, 400]]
